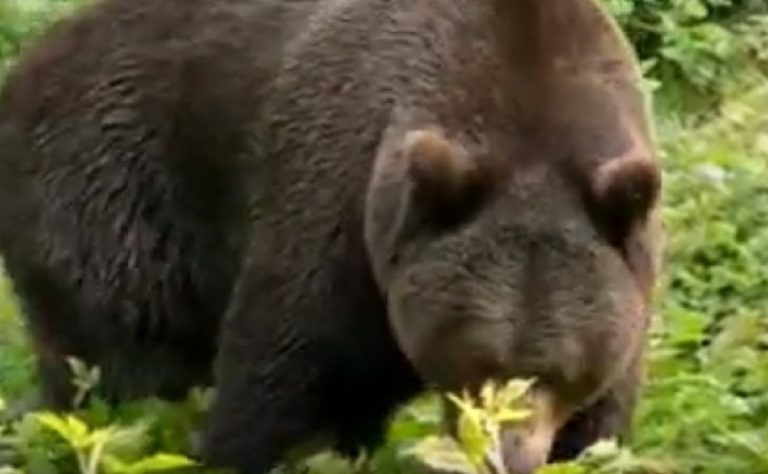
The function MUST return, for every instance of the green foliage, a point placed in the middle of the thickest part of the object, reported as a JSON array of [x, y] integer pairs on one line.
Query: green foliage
[[710, 358], [98, 450], [477, 447], [697, 50], [21, 20], [15, 361], [136, 438], [705, 407]]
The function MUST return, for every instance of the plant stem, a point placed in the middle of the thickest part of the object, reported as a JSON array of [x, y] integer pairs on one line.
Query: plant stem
[[82, 461]]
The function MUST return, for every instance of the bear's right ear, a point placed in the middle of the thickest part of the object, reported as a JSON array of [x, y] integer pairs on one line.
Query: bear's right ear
[[447, 182]]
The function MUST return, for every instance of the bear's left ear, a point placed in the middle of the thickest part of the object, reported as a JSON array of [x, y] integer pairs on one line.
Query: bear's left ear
[[625, 189]]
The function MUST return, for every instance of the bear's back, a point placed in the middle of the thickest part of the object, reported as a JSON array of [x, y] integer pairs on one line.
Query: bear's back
[[123, 135], [192, 60]]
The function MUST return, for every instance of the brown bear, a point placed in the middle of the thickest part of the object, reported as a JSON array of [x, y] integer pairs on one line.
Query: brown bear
[[476, 176], [385, 195]]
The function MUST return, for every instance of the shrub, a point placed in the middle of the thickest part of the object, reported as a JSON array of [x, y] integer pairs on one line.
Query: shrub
[[697, 50]]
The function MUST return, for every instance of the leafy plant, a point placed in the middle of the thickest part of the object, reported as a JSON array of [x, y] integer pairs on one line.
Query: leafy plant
[[97, 450], [477, 449], [696, 50], [88, 442]]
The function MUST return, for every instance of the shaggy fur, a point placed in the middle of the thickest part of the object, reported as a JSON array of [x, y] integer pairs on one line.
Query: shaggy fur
[[416, 194], [122, 204]]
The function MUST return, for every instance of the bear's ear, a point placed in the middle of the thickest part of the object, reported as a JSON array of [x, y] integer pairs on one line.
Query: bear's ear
[[447, 181], [422, 183], [625, 189], [437, 166]]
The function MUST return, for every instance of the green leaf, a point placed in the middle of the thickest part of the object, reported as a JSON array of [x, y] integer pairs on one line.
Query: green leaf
[[604, 448], [129, 441], [443, 454], [563, 468], [508, 415], [74, 431], [155, 463], [474, 440], [514, 391]]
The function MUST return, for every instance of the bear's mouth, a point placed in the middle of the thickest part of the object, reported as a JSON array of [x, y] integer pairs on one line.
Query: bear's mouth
[[525, 446], [525, 450]]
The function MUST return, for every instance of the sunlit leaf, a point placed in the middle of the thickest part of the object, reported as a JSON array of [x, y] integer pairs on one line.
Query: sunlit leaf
[[74, 431], [155, 463], [443, 454]]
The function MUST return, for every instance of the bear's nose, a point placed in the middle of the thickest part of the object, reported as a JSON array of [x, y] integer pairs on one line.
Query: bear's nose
[[525, 446], [525, 451]]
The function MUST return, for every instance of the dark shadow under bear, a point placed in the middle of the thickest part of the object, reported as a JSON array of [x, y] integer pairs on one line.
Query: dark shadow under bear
[[384, 195]]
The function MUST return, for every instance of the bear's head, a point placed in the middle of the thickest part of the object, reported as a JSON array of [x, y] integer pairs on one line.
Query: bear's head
[[512, 223], [540, 271]]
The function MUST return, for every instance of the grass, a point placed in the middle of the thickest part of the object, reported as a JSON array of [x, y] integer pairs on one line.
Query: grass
[[16, 371]]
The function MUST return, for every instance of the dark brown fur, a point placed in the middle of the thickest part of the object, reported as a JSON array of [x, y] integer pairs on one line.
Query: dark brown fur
[[533, 278], [122, 204], [515, 236]]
